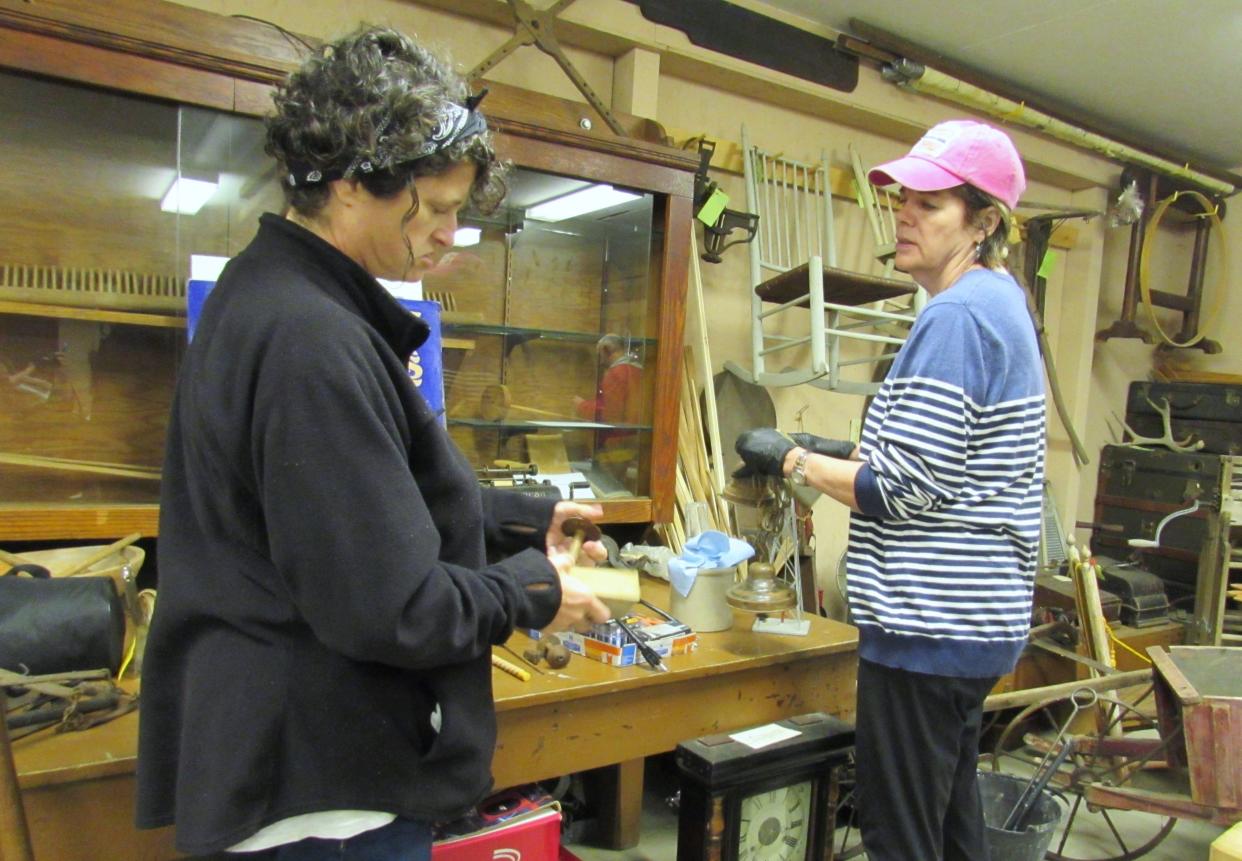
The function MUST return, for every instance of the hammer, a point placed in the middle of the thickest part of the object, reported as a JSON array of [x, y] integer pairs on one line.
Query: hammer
[[582, 530]]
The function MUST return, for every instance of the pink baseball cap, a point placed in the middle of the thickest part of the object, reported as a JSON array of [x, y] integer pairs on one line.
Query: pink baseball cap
[[957, 152]]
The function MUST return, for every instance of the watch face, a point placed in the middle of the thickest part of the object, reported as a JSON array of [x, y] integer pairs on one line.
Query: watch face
[[775, 825]]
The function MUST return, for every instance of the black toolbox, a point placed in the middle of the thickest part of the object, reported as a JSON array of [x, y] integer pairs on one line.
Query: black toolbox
[[1137, 489], [1210, 412]]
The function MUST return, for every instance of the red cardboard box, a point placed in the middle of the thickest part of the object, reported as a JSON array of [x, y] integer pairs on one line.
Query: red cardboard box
[[536, 837], [521, 824]]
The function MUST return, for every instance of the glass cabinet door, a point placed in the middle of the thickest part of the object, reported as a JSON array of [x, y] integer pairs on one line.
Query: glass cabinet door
[[548, 312], [550, 316], [94, 251]]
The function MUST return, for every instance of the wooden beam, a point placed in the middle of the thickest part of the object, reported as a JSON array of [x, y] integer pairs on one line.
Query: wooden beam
[[727, 157], [636, 83], [613, 27]]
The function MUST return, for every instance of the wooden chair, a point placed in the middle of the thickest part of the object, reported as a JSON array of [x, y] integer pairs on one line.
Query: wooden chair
[[793, 265]]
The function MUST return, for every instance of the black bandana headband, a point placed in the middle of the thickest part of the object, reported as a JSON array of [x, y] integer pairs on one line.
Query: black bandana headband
[[455, 123]]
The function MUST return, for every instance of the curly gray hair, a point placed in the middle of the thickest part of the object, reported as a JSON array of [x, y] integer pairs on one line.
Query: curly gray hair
[[372, 106]]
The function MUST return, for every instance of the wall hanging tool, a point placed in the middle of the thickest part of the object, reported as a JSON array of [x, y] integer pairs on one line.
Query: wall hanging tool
[[538, 28], [1208, 211]]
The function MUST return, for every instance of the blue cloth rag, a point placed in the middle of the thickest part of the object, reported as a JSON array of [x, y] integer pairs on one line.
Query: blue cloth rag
[[706, 551]]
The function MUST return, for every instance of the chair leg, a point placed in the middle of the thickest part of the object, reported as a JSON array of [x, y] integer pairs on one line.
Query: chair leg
[[14, 836]]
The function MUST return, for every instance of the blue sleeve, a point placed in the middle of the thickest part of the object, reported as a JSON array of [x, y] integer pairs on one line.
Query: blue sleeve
[[916, 452]]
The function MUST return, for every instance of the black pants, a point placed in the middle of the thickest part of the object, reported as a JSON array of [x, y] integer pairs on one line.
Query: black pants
[[917, 749]]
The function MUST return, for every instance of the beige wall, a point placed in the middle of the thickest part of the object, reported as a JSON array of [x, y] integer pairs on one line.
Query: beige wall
[[702, 93]]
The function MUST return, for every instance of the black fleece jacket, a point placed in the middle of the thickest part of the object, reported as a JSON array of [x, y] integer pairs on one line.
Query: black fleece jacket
[[324, 597]]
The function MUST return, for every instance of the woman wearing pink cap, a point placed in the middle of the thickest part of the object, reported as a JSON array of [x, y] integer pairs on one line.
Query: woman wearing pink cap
[[945, 489]]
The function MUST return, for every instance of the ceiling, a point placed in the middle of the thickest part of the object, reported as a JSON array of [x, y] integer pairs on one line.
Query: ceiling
[[1164, 73]]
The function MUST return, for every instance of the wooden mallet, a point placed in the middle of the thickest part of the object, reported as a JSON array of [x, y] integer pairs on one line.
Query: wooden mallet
[[618, 588]]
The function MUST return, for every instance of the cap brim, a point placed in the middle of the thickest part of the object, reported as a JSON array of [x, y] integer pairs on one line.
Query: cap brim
[[913, 172]]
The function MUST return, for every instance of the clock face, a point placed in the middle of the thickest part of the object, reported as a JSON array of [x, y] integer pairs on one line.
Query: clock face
[[775, 824]]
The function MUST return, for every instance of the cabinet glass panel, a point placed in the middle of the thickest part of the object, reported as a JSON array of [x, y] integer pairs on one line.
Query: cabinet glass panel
[[93, 267], [549, 320]]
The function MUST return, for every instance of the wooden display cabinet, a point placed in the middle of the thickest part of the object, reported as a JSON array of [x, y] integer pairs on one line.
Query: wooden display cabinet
[[105, 103]]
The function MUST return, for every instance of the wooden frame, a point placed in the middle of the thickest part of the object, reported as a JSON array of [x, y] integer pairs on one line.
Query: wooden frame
[[163, 50]]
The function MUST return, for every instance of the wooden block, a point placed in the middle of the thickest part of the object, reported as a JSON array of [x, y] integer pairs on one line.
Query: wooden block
[[1228, 846], [616, 587], [548, 451]]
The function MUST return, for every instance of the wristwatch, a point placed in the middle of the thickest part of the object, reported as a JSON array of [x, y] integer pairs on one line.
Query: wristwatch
[[798, 476]]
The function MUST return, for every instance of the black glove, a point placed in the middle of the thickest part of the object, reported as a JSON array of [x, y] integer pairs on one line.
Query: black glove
[[821, 445], [763, 452]]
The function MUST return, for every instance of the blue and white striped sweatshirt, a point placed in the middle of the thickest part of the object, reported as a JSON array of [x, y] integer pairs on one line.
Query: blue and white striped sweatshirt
[[941, 562]]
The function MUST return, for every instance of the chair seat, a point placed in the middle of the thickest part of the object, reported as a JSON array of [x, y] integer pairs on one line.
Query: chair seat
[[841, 287]]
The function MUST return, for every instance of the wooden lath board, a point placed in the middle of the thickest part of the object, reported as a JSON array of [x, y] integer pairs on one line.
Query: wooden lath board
[[92, 288], [727, 157]]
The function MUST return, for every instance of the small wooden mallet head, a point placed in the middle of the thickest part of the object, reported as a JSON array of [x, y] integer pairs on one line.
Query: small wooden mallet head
[[582, 530]]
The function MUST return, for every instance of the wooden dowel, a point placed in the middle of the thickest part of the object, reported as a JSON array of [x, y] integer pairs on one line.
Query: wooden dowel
[[14, 835], [100, 555], [13, 559], [78, 462], [11, 679], [69, 466], [1014, 699]]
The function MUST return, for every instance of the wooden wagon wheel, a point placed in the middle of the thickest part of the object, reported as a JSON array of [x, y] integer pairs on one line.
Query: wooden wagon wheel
[[1122, 749]]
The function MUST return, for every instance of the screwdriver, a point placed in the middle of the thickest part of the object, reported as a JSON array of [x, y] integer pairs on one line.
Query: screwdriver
[[650, 655]]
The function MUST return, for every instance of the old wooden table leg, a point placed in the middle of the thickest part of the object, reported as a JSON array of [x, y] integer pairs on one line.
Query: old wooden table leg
[[619, 791]]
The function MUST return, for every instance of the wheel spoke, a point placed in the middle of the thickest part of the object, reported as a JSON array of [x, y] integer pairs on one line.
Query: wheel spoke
[[1116, 834], [1069, 826]]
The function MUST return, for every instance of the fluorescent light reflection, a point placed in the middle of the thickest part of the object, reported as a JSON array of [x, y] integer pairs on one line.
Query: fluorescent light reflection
[[590, 199], [187, 196], [466, 236]]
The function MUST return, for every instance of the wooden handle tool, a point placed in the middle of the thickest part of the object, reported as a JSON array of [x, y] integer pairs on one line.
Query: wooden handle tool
[[14, 832], [13, 559], [86, 562], [582, 530]]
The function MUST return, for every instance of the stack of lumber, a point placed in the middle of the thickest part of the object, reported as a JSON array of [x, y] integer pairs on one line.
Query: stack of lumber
[[694, 482]]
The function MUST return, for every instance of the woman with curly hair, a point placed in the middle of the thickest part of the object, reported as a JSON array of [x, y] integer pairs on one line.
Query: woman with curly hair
[[317, 680]]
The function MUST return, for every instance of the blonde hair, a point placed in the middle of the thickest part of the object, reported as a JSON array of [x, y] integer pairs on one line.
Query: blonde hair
[[994, 249]]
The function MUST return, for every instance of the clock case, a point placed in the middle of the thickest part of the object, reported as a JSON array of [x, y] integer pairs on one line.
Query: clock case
[[717, 772]]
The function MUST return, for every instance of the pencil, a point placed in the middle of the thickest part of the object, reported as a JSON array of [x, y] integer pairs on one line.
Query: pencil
[[510, 668]]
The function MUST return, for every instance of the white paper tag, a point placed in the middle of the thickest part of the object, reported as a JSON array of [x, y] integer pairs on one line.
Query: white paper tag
[[763, 736]]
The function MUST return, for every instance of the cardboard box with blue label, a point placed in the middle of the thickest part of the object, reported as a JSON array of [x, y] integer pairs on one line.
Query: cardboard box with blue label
[[611, 645]]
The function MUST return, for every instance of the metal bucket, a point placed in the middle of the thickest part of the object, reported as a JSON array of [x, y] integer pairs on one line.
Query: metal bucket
[[998, 793]]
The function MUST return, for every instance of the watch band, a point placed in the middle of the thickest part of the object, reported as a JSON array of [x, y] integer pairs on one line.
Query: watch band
[[798, 476]]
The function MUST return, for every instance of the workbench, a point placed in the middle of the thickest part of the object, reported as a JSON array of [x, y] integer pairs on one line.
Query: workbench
[[78, 788]]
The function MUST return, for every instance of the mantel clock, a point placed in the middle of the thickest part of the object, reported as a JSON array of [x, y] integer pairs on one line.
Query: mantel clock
[[769, 803]]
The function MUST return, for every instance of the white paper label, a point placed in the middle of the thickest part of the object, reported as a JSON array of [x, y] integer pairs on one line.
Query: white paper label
[[763, 736]]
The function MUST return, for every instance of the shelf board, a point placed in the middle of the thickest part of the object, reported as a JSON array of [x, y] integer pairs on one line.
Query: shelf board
[[40, 521], [97, 315], [543, 424], [525, 334]]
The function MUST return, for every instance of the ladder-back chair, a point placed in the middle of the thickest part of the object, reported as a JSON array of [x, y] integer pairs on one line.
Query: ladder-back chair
[[793, 264]]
